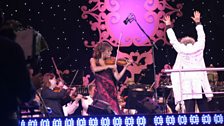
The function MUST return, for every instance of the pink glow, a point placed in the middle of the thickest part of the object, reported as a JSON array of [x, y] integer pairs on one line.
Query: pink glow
[[131, 33]]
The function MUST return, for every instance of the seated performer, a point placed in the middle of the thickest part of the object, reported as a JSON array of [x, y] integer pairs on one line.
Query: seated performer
[[88, 100], [53, 95], [71, 107]]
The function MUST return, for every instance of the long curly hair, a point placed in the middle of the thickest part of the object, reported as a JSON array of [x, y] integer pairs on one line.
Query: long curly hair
[[100, 48]]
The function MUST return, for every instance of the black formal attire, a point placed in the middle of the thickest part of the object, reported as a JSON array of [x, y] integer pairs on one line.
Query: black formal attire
[[55, 101]]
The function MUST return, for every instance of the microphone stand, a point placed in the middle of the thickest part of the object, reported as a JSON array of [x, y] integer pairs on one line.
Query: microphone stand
[[153, 49]]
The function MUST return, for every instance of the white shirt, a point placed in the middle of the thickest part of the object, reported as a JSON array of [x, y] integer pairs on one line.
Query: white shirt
[[85, 104]]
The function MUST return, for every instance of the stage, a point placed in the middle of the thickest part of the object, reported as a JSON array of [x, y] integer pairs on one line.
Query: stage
[[196, 119]]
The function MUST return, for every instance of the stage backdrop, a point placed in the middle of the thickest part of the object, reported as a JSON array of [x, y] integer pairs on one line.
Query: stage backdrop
[[72, 27]]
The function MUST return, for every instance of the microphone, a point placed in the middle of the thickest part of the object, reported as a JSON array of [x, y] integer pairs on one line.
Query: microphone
[[128, 19]]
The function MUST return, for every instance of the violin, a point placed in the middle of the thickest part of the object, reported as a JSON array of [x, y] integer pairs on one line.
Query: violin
[[57, 89], [111, 61]]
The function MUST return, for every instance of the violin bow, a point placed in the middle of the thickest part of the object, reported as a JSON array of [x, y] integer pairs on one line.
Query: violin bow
[[118, 47], [74, 78], [56, 68]]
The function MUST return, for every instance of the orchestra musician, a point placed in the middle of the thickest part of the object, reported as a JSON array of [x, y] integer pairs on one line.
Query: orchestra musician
[[212, 76], [54, 96], [88, 100], [71, 107]]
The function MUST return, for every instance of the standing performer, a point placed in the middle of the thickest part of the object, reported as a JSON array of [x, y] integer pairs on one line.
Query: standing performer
[[194, 86], [106, 75]]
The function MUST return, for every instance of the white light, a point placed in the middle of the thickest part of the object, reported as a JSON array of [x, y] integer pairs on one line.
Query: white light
[[93, 121], [117, 121], [141, 121], [57, 122], [194, 119], [44, 122], [22, 123], [69, 122], [129, 121], [182, 119], [158, 120], [206, 119], [105, 121], [170, 120], [32, 122], [81, 122], [218, 119]]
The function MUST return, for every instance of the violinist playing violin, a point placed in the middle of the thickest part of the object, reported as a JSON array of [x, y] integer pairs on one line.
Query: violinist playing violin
[[54, 95], [106, 75]]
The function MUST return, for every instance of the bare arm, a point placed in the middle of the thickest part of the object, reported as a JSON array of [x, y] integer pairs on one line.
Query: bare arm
[[96, 68], [119, 75]]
